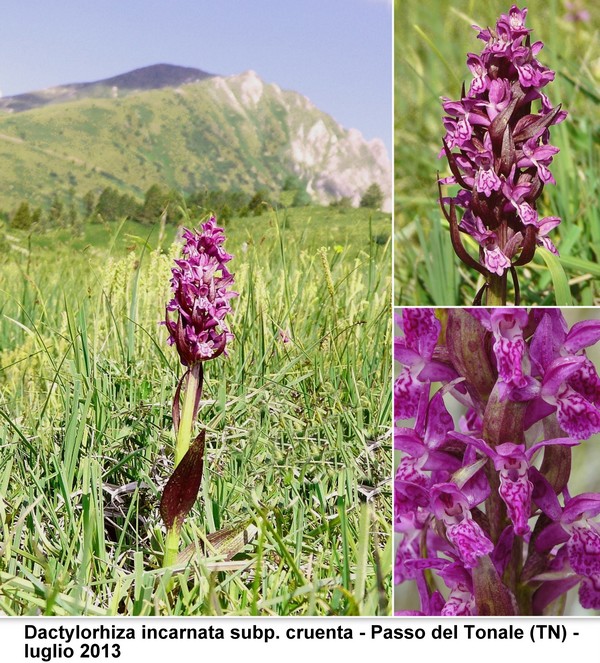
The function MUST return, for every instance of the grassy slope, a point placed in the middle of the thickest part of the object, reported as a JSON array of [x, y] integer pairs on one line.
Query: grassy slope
[[198, 136], [432, 40], [297, 431]]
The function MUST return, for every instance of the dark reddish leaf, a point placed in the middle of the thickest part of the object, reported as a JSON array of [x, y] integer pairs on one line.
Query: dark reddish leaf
[[181, 490]]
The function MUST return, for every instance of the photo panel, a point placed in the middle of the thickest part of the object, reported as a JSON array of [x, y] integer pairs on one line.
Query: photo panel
[[496, 153], [496, 483]]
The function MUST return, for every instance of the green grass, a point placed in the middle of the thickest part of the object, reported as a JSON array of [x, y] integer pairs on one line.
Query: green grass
[[298, 451], [432, 41]]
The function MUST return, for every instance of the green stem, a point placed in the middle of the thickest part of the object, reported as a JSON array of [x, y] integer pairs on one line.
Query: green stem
[[184, 434], [171, 546], [182, 444], [496, 292]]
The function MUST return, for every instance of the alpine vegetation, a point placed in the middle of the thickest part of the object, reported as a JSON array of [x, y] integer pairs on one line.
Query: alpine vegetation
[[498, 149], [486, 521], [195, 321]]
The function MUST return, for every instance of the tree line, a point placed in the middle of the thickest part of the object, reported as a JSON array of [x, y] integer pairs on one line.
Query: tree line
[[110, 204]]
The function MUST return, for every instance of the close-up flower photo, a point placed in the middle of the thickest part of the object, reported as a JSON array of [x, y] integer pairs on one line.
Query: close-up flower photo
[[496, 154], [496, 489]]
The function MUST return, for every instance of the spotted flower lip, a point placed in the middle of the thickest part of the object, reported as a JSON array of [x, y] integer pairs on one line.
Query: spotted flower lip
[[497, 144], [201, 286]]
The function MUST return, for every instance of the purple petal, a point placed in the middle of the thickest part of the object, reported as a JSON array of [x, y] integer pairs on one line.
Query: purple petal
[[537, 410], [421, 330], [480, 445], [576, 415], [407, 440], [549, 591], [405, 355], [551, 536], [582, 335], [559, 371], [585, 505], [589, 593], [516, 494], [562, 441], [439, 422], [545, 497], [494, 260], [587, 382], [437, 371], [503, 551], [583, 549], [470, 541], [460, 603], [407, 391], [547, 339]]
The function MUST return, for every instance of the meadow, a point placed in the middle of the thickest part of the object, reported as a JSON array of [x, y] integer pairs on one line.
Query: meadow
[[432, 42], [294, 512]]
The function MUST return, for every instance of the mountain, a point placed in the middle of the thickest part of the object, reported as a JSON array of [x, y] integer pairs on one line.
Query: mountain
[[153, 77], [184, 129]]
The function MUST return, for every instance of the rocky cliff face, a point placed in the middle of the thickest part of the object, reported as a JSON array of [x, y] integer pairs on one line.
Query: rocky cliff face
[[333, 161]]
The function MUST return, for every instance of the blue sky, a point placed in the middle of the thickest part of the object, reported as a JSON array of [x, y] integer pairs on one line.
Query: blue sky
[[336, 52]]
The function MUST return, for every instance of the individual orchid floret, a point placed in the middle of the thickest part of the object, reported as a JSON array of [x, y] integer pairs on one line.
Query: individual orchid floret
[[577, 416], [451, 506], [497, 144], [576, 527], [415, 352], [512, 462], [424, 444], [507, 326], [552, 340], [460, 601]]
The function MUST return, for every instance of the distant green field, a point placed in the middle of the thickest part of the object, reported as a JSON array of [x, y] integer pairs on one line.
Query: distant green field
[[306, 228], [297, 418]]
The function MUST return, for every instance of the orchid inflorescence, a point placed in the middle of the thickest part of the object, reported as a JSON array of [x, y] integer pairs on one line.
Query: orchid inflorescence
[[499, 152], [201, 298], [195, 321], [483, 506]]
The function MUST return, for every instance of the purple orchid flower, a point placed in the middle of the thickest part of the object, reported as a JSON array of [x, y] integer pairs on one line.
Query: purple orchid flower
[[513, 462], [569, 381], [498, 150], [575, 529], [451, 506], [415, 351]]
